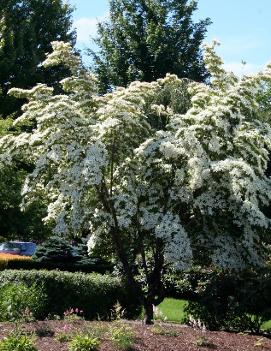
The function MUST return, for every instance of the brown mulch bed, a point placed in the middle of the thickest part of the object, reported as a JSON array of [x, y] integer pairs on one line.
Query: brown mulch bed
[[160, 337]]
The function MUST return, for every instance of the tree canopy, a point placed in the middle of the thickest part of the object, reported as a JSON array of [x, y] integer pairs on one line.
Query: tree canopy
[[190, 187], [27, 29], [145, 39], [15, 224]]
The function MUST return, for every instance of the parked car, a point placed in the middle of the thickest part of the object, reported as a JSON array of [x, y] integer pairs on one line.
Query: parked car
[[18, 248]]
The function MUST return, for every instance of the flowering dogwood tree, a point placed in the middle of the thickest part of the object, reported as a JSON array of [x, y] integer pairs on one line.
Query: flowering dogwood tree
[[156, 182]]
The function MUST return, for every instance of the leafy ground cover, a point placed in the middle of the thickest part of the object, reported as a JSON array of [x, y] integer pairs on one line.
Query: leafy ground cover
[[57, 336]]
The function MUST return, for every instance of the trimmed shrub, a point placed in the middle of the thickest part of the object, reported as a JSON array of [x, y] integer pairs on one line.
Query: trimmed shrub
[[93, 293], [89, 266], [232, 301], [19, 302], [226, 300]]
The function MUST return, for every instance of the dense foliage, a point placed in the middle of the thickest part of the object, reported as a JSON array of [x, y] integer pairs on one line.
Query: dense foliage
[[231, 301], [156, 187], [264, 101], [54, 249], [146, 39], [93, 293], [57, 253], [15, 224], [19, 302], [26, 30]]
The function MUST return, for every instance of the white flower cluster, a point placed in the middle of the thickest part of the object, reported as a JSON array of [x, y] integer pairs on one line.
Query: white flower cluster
[[177, 244], [102, 160], [93, 163]]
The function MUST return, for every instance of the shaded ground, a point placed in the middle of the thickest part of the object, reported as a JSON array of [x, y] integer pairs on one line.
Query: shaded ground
[[161, 337]]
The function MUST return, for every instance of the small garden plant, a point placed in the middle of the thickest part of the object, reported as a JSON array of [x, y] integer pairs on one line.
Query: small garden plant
[[202, 341], [96, 331], [74, 314], [84, 343], [15, 342], [62, 336], [162, 330], [44, 330], [122, 336]]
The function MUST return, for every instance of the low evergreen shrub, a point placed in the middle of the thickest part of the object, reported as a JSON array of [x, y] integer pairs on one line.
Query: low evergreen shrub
[[93, 293], [54, 249]]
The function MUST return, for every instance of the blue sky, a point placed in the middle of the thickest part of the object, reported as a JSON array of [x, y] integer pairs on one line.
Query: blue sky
[[242, 26]]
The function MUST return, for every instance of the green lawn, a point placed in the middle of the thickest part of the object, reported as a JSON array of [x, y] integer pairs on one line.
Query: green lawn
[[173, 309], [266, 325]]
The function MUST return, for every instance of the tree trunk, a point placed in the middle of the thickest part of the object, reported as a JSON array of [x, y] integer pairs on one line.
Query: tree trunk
[[148, 311]]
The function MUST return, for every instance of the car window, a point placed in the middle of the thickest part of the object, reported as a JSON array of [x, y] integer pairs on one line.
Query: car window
[[25, 248], [10, 246]]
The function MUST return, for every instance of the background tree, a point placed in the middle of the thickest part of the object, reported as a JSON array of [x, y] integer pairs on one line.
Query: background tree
[[27, 29], [145, 39], [15, 224], [264, 101]]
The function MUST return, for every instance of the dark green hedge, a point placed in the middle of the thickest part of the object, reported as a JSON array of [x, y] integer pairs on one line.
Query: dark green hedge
[[93, 293], [88, 266]]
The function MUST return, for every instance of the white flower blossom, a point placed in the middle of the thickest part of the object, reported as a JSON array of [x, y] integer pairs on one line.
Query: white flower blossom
[[104, 164]]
